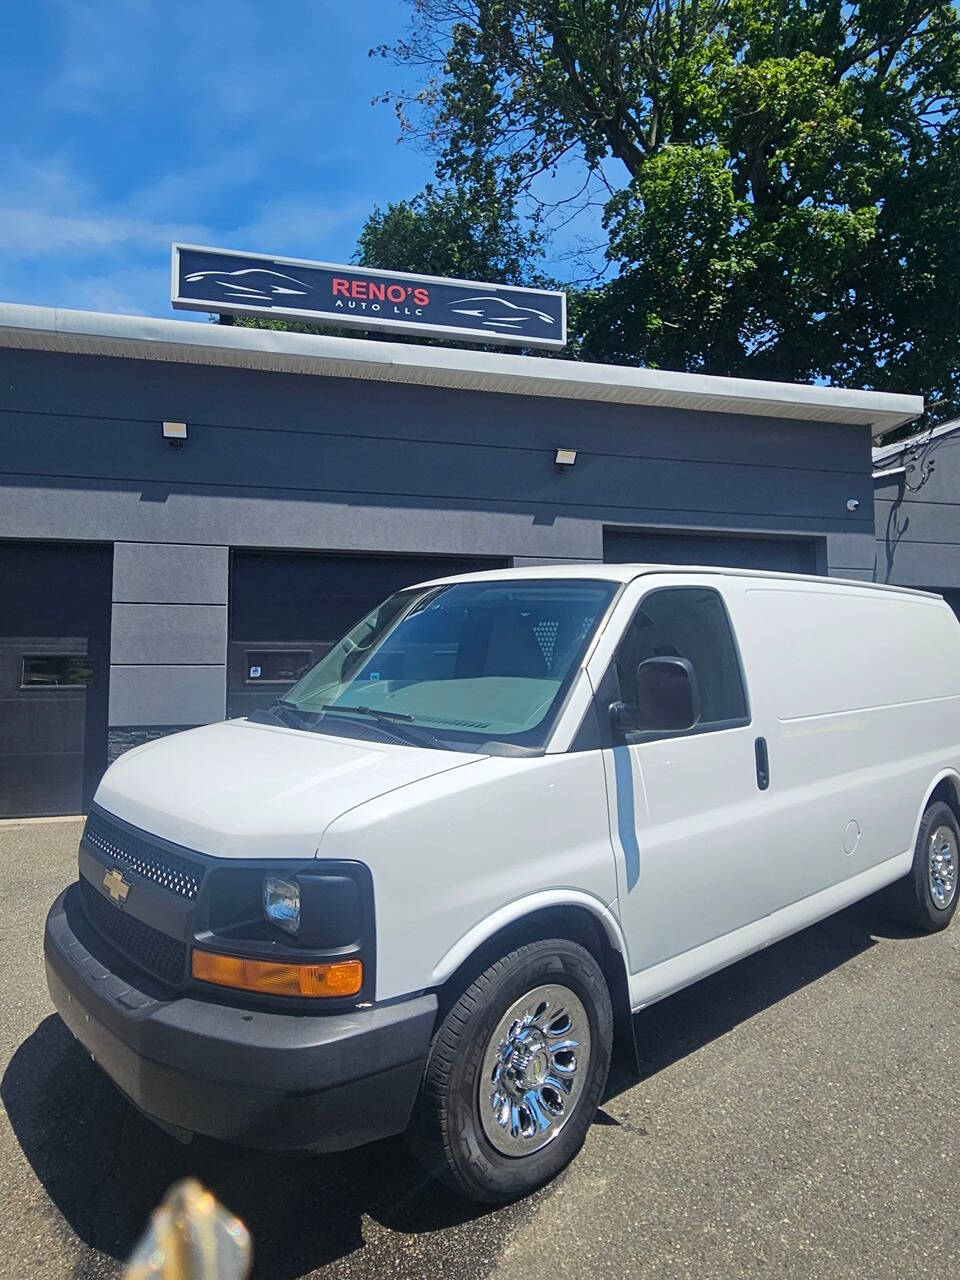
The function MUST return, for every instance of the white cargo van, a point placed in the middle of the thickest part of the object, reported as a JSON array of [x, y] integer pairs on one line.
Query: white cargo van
[[425, 890]]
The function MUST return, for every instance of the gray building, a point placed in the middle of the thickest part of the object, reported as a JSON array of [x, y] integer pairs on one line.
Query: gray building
[[917, 494], [149, 583]]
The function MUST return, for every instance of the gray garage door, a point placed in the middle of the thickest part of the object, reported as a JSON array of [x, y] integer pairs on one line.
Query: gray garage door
[[788, 555], [54, 669], [287, 609]]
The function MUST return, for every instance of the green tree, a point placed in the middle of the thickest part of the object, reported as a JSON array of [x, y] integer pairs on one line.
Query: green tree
[[780, 178], [464, 232]]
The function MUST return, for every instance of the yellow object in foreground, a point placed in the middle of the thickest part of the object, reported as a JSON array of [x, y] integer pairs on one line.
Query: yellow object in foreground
[[191, 1236], [340, 978]]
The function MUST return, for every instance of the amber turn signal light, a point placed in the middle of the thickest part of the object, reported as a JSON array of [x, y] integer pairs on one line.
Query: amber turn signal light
[[340, 978]]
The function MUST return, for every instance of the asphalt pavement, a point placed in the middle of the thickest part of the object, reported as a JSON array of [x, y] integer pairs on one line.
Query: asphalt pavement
[[797, 1116]]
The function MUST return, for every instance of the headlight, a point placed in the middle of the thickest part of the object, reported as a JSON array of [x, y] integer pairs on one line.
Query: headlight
[[281, 903]]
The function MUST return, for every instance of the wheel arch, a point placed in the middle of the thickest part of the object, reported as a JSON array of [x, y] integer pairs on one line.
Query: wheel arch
[[575, 916], [945, 787]]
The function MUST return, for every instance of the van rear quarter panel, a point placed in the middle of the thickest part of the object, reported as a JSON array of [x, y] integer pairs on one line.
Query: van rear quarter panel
[[448, 853], [859, 693]]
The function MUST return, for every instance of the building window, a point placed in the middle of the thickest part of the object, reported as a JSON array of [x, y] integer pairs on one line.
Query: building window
[[276, 666], [56, 671]]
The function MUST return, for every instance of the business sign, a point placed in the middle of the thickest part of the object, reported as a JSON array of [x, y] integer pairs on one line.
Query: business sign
[[354, 297]]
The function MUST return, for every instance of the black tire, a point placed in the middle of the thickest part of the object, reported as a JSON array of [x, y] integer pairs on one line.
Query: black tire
[[446, 1131], [912, 897]]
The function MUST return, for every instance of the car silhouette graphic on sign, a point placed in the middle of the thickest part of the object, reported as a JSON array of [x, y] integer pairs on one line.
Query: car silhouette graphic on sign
[[498, 313], [251, 282]]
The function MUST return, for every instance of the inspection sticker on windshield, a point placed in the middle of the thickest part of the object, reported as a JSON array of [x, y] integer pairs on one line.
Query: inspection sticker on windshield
[[255, 673]]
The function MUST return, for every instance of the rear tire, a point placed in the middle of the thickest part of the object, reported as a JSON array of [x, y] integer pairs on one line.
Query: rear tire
[[927, 897], [515, 1073]]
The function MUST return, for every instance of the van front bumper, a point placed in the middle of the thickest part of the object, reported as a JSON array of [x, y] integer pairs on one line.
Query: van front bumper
[[277, 1081]]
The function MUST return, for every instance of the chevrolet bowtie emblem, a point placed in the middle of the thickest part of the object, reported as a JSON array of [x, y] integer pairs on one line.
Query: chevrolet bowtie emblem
[[116, 886]]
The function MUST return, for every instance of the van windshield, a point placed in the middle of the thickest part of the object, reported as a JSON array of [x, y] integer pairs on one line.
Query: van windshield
[[463, 666]]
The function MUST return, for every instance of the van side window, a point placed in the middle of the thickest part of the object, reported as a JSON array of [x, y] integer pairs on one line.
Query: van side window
[[691, 623]]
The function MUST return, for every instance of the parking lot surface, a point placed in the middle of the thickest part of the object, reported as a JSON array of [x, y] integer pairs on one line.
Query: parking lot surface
[[797, 1116]]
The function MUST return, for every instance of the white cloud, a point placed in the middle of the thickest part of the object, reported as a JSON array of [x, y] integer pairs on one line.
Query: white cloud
[[114, 259], [135, 290], [100, 47], [296, 227], [38, 233], [46, 224], [231, 122], [192, 185], [221, 58]]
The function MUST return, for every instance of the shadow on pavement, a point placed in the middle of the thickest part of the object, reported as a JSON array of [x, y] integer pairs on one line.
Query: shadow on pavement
[[105, 1167], [699, 1014]]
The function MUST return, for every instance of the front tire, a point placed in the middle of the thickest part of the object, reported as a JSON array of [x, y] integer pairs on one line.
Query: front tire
[[515, 1073], [927, 897]]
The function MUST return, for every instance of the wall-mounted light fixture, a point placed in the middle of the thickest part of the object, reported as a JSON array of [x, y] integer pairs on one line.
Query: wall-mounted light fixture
[[853, 504], [175, 433], [564, 459]]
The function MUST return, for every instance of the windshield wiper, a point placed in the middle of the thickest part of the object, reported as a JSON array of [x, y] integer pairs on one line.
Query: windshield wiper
[[367, 711], [286, 713], [395, 721]]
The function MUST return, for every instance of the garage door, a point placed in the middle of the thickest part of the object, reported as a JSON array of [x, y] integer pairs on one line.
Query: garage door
[[287, 610], [787, 555], [54, 670]]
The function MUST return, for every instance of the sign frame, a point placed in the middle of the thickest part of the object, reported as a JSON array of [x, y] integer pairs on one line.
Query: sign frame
[[364, 321]]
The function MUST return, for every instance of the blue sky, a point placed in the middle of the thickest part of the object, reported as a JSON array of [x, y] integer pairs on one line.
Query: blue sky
[[126, 124]]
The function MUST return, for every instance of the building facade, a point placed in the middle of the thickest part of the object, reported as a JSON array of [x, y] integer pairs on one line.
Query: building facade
[[917, 503], [152, 582]]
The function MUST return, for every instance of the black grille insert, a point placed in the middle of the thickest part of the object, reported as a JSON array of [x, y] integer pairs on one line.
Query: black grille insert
[[158, 953], [139, 854]]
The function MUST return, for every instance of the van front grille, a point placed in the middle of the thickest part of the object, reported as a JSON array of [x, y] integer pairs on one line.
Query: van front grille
[[140, 854], [147, 947]]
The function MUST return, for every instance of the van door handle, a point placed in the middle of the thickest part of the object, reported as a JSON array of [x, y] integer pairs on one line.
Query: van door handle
[[763, 763]]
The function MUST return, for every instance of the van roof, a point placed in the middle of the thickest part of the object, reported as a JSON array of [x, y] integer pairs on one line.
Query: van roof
[[628, 572]]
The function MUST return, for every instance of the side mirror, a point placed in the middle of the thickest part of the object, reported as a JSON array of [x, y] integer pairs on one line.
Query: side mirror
[[668, 699]]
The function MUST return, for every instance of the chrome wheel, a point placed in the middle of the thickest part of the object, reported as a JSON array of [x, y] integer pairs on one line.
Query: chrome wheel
[[534, 1069], [942, 866]]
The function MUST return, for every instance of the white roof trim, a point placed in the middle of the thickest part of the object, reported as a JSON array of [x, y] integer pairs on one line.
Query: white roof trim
[[888, 451], [189, 342]]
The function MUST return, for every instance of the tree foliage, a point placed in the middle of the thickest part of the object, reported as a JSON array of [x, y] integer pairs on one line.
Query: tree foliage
[[464, 232], [780, 179]]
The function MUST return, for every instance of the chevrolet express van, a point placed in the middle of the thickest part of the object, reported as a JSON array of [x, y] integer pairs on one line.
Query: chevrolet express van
[[425, 890]]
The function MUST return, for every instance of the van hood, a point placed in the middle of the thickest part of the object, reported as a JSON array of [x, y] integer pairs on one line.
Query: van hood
[[245, 790]]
